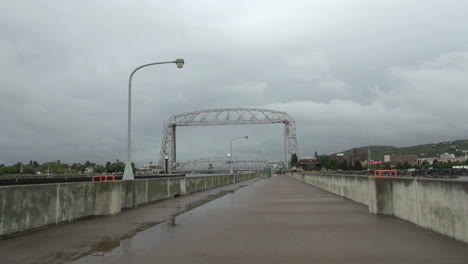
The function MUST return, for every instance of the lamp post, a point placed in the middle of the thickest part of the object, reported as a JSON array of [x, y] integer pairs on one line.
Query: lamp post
[[263, 159], [229, 162], [230, 157], [128, 173], [166, 159]]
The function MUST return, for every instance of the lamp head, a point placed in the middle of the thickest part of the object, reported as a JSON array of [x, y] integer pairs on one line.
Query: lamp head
[[180, 63], [166, 157]]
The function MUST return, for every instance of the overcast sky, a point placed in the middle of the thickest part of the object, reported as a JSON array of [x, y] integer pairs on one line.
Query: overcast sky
[[397, 69]]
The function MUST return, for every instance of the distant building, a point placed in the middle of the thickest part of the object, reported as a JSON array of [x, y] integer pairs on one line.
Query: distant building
[[89, 170], [350, 159], [395, 159], [446, 157], [386, 158], [411, 159], [309, 164], [148, 167]]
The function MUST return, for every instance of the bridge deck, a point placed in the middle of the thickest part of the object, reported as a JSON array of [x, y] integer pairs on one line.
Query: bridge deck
[[277, 220]]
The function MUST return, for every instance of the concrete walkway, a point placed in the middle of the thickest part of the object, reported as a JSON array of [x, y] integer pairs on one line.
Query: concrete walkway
[[280, 220]]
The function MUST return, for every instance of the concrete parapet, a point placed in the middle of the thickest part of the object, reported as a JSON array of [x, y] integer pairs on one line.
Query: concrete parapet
[[352, 187], [438, 205], [29, 207]]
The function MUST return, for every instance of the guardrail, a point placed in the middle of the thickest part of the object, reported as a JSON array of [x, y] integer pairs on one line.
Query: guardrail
[[45, 180]]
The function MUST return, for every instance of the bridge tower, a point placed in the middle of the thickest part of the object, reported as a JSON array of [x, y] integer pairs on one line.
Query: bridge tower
[[224, 117]]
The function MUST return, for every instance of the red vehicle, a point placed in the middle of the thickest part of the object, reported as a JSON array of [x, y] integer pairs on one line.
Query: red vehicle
[[103, 178], [385, 173]]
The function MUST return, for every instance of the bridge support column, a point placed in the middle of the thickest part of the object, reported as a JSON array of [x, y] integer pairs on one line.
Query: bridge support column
[[173, 158], [286, 158]]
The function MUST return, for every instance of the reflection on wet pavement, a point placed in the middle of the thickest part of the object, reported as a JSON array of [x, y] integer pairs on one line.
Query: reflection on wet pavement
[[153, 233]]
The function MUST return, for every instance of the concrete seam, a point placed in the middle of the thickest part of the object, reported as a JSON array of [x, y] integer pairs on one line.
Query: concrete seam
[[147, 190], [57, 204], [417, 202], [168, 188]]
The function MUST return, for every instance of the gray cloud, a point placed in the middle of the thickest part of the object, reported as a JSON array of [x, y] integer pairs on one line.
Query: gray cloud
[[394, 68]]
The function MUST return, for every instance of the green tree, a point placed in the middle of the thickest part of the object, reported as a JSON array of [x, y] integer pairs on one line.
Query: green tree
[[99, 169], [406, 165], [13, 169], [343, 165], [28, 169], [440, 165], [358, 165], [425, 164], [89, 164], [56, 167], [448, 164], [77, 168], [59, 170], [117, 166], [294, 160], [325, 161], [387, 166], [333, 164]]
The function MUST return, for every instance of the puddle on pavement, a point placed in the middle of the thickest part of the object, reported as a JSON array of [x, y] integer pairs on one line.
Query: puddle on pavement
[[149, 235]]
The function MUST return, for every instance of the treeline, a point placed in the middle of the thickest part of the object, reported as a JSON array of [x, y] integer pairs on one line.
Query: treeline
[[333, 164], [442, 165], [424, 165], [58, 167]]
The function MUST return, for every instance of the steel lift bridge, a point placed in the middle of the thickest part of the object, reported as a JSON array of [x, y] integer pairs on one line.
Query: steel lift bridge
[[222, 164], [226, 117]]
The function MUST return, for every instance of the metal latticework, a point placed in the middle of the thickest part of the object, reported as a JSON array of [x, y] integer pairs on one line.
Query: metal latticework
[[220, 164], [223, 117]]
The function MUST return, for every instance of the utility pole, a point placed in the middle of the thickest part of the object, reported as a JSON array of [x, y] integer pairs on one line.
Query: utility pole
[[368, 152]]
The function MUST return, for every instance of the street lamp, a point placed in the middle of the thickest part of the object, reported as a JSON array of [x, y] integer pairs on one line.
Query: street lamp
[[128, 173], [263, 159], [230, 157], [166, 159]]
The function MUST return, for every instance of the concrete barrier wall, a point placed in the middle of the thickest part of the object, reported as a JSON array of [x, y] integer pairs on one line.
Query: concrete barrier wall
[[28, 207], [438, 205], [351, 187]]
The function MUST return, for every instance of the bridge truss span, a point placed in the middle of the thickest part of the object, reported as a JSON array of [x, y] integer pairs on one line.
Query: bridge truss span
[[225, 117], [224, 164]]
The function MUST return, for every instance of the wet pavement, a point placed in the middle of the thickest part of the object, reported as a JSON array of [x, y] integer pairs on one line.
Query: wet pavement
[[277, 220]]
